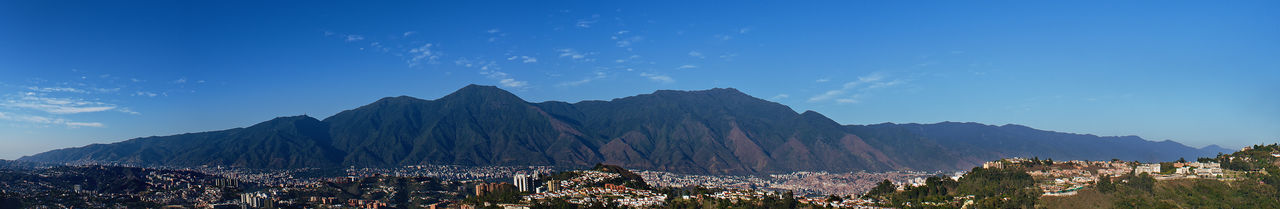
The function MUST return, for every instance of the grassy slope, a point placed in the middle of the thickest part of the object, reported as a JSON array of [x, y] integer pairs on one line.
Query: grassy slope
[[1192, 193]]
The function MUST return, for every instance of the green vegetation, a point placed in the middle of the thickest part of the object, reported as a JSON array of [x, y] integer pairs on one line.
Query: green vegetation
[[1143, 192], [403, 192], [560, 203], [1259, 187], [1259, 160], [882, 188], [629, 179], [1166, 168], [505, 193], [989, 188], [786, 200]]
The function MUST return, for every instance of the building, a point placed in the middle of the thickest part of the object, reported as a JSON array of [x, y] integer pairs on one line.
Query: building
[[993, 165], [525, 182], [486, 188], [1147, 168], [1209, 172], [553, 185], [226, 183], [1204, 165], [256, 200], [1183, 170]]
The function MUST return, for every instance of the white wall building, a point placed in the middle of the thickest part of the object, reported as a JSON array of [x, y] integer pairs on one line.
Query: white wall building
[[1147, 168]]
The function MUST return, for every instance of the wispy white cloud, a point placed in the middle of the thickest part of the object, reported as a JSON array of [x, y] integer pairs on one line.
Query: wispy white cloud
[[144, 93], [352, 38], [658, 78], [524, 59], [575, 55], [377, 46], [47, 120], [494, 34], [627, 41], [511, 82], [822, 80], [728, 56], [598, 75], [862, 86], [422, 54], [686, 67], [180, 80], [128, 111], [57, 105], [410, 33], [83, 124], [780, 96], [110, 90], [696, 54], [826, 95], [56, 89], [628, 59], [587, 22], [885, 84], [492, 70]]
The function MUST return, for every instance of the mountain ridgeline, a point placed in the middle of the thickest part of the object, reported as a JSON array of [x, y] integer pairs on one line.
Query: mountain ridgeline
[[717, 131]]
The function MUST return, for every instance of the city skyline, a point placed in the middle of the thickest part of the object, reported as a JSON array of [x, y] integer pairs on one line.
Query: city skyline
[[102, 72]]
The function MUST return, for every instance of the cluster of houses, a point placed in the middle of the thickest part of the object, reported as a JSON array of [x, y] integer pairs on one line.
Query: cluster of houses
[[621, 195], [1183, 170]]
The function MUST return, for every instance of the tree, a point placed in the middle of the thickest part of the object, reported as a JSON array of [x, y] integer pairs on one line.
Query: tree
[[882, 188], [834, 198], [1104, 184]]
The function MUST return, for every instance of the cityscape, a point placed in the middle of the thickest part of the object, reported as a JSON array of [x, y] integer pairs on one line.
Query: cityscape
[[35, 185], [500, 104]]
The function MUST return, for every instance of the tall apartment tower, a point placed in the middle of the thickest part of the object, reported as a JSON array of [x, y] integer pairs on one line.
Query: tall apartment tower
[[524, 182]]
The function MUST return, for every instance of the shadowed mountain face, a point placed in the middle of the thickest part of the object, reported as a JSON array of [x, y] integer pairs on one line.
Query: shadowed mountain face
[[994, 142], [717, 131]]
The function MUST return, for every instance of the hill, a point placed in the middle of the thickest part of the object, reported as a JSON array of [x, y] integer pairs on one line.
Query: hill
[[716, 131]]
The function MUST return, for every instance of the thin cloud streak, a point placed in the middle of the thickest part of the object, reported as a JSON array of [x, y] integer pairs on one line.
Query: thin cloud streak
[[862, 86], [47, 120]]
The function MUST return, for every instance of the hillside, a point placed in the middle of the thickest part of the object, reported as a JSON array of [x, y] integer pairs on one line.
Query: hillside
[[716, 131]]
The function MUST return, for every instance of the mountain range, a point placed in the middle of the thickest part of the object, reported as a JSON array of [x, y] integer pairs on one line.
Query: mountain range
[[716, 131]]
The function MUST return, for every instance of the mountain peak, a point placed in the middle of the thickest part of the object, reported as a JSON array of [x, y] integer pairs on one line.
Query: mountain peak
[[818, 118], [717, 91], [397, 99], [287, 120], [480, 88], [293, 118], [474, 92]]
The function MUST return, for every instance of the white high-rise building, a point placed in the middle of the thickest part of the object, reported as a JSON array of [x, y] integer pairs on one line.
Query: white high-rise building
[[524, 182]]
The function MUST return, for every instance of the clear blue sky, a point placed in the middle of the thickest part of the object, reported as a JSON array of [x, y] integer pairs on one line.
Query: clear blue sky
[[1196, 72]]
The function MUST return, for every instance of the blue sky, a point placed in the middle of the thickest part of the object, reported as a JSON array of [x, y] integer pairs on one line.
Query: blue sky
[[1196, 72]]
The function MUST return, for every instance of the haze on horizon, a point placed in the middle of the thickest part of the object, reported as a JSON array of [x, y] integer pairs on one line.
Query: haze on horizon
[[1199, 73]]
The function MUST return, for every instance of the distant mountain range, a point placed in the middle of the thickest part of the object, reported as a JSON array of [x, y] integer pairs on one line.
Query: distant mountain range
[[717, 131]]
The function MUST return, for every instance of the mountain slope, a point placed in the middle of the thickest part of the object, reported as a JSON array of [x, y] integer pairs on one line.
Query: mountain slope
[[477, 125], [285, 142], [988, 142], [716, 131]]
